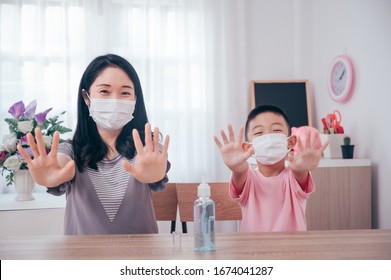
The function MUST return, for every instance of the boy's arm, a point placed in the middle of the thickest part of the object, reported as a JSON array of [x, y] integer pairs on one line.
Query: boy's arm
[[302, 179], [239, 179]]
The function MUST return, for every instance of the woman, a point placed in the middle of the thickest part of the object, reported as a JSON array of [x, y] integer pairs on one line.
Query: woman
[[106, 171]]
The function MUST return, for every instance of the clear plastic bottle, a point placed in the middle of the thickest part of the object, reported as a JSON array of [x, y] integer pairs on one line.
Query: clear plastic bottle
[[204, 218]]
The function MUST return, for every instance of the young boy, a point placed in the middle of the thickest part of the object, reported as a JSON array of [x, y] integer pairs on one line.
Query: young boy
[[272, 196]]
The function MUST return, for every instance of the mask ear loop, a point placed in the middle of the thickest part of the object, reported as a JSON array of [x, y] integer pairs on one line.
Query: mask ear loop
[[88, 105]]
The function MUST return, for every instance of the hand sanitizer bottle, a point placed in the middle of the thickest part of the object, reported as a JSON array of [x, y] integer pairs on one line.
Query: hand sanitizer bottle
[[204, 218]]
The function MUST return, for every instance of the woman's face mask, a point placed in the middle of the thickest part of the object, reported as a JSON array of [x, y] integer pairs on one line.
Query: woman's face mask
[[111, 114], [270, 148]]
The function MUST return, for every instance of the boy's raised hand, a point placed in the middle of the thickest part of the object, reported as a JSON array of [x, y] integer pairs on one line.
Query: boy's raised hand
[[46, 169], [233, 150], [306, 157]]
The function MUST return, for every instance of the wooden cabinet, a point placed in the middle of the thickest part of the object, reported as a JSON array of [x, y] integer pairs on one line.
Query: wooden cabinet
[[342, 199]]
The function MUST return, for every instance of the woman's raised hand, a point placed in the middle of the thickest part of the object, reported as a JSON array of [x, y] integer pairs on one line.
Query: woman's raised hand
[[46, 169], [150, 165]]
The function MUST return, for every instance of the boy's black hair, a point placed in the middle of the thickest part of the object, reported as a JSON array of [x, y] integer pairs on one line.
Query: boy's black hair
[[263, 109], [88, 146]]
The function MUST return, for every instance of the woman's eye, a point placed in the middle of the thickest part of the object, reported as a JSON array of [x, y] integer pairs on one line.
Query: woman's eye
[[104, 91], [127, 93], [277, 130], [258, 133]]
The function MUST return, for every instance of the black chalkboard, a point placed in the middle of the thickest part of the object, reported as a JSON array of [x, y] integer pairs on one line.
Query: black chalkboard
[[291, 96]]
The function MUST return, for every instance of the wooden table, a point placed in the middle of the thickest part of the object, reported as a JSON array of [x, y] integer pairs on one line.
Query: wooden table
[[348, 244]]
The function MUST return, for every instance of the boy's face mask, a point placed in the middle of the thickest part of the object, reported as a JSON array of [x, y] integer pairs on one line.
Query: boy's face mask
[[111, 114], [270, 148]]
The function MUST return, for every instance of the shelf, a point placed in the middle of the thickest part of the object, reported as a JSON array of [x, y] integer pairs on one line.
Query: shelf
[[42, 201]]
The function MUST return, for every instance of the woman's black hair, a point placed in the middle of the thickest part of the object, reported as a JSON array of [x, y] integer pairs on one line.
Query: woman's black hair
[[263, 109], [87, 144]]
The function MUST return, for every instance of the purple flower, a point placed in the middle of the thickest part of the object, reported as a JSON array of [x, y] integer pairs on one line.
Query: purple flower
[[30, 109], [23, 140], [41, 117], [17, 110]]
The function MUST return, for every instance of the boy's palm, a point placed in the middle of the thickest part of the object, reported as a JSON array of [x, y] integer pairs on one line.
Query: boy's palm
[[307, 157], [232, 152]]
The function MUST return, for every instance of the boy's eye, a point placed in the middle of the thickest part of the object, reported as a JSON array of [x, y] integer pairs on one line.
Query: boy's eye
[[277, 130], [258, 133]]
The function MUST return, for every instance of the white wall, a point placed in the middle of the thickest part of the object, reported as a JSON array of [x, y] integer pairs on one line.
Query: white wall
[[298, 40]]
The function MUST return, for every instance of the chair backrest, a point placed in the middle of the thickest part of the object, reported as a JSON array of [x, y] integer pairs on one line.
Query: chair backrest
[[165, 204], [226, 208]]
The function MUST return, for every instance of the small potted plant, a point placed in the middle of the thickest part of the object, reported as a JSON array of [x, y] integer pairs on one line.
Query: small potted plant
[[347, 148]]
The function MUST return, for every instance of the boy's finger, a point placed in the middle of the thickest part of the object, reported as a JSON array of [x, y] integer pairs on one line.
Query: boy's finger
[[231, 133], [217, 141], [224, 136], [299, 144], [308, 138], [240, 136], [324, 146]]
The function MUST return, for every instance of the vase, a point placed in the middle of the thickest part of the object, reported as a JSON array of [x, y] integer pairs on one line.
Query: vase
[[24, 185]]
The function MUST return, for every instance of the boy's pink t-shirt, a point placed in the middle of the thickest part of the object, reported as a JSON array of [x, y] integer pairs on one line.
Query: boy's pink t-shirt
[[272, 203]]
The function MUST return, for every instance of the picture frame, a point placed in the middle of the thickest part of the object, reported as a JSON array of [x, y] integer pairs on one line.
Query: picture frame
[[292, 96]]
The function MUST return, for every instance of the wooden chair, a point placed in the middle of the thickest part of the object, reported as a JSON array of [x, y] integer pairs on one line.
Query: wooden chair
[[165, 204], [226, 208]]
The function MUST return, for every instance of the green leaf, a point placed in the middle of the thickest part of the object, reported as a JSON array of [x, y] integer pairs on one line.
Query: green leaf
[[12, 124]]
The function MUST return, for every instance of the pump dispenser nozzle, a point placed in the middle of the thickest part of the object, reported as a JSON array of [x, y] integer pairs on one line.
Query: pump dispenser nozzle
[[203, 188]]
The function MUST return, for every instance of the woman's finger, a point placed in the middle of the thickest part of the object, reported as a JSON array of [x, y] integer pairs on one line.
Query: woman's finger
[[40, 142], [165, 145], [24, 154], [148, 138], [156, 139], [33, 145], [55, 142], [128, 167], [137, 142]]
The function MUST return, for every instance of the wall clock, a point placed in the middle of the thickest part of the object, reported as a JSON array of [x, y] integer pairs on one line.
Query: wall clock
[[341, 77]]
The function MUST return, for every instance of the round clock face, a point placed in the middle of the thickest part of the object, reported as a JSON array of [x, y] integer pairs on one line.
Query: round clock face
[[341, 78]]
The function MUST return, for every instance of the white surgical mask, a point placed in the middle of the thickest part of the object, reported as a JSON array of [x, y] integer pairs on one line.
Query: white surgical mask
[[270, 148], [111, 114]]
